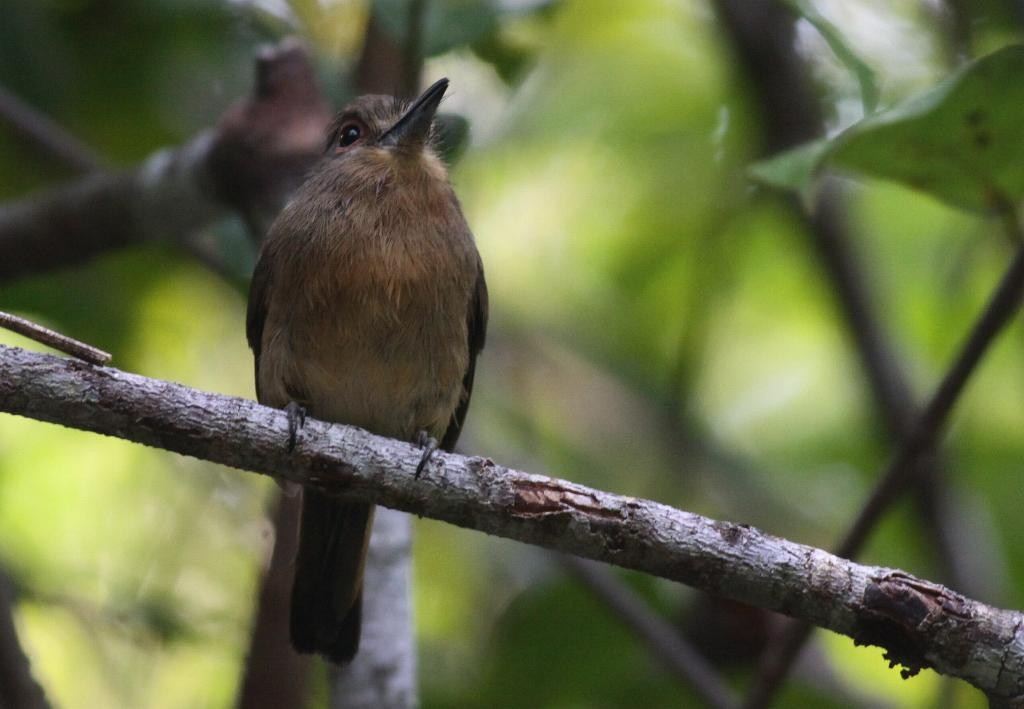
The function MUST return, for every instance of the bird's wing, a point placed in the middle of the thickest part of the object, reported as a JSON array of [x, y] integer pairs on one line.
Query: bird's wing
[[477, 328], [256, 315]]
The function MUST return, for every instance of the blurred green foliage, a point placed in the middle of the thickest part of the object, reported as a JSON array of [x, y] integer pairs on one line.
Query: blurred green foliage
[[660, 328], [959, 142], [833, 36]]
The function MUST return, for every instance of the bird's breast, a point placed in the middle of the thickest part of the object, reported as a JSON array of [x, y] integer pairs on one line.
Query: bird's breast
[[376, 335]]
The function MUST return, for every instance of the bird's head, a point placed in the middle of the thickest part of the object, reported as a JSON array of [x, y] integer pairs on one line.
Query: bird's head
[[383, 128]]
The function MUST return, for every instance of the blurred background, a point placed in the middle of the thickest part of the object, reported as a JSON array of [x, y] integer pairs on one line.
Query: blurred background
[[660, 327]]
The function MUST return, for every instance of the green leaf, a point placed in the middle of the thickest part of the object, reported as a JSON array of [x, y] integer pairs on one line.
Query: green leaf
[[962, 142], [792, 170], [864, 74]]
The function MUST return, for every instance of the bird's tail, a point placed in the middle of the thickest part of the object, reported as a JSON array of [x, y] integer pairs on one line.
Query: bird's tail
[[327, 595]]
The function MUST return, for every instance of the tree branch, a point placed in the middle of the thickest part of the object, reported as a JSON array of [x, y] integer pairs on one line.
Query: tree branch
[[37, 128], [903, 470], [663, 640], [921, 624], [57, 341], [256, 155]]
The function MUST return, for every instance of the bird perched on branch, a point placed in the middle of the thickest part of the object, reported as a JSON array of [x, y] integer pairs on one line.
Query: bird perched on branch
[[368, 307]]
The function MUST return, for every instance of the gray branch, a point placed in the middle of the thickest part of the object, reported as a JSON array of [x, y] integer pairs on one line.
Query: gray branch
[[919, 623]]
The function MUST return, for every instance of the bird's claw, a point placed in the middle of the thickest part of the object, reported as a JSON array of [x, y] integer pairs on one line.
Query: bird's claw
[[296, 420], [429, 445]]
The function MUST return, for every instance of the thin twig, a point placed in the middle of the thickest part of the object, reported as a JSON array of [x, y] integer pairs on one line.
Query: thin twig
[[890, 387], [660, 636], [57, 341], [664, 642], [47, 134], [901, 471]]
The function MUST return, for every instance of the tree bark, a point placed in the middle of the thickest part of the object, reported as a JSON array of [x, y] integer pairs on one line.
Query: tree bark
[[919, 623]]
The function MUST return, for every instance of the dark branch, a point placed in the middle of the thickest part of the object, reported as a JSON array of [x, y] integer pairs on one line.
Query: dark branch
[[18, 689], [258, 153], [902, 470], [664, 641], [46, 336], [39, 129]]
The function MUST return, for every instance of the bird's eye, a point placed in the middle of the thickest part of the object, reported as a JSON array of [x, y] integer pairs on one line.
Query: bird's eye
[[349, 133]]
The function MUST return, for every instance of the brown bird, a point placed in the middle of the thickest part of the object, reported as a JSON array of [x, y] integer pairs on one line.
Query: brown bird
[[368, 307]]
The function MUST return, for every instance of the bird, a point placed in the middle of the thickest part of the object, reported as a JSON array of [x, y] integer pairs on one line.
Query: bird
[[367, 306]]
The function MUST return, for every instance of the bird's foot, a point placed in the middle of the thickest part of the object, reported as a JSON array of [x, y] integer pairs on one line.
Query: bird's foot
[[425, 441], [296, 420]]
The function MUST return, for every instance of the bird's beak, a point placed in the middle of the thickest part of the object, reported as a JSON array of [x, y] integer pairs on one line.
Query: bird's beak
[[412, 129]]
